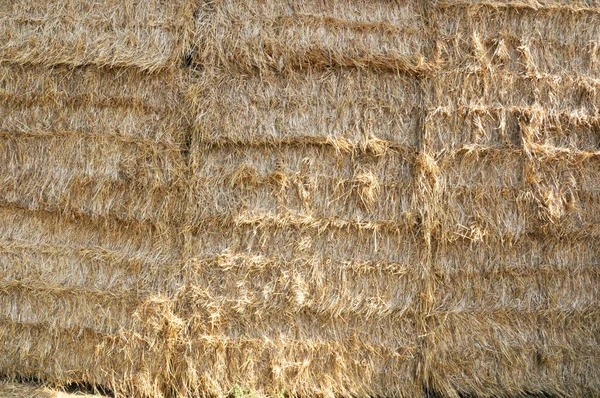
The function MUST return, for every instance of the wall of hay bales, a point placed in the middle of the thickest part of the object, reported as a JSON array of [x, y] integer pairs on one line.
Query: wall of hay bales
[[332, 198]]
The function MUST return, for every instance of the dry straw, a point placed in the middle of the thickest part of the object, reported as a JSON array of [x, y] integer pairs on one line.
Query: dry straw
[[341, 198], [91, 142], [149, 35]]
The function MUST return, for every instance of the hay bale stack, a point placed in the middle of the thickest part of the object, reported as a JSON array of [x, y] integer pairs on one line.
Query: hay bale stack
[[303, 227], [512, 124], [92, 166], [298, 236], [348, 198]]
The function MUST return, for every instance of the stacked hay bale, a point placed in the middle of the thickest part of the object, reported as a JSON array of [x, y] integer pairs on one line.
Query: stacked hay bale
[[91, 177], [304, 227], [512, 122], [342, 197]]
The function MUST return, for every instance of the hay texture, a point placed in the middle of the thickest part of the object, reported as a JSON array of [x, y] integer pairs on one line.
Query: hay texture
[[150, 35], [30, 390], [316, 198]]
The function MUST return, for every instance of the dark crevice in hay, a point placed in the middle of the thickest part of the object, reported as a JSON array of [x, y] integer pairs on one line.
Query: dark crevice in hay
[[424, 194], [86, 388], [187, 145], [188, 57], [187, 63], [430, 393]]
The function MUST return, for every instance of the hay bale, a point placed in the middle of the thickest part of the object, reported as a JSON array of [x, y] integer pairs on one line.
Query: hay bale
[[312, 105], [89, 301], [315, 182], [348, 33], [91, 142], [510, 126], [514, 318], [534, 38], [150, 35]]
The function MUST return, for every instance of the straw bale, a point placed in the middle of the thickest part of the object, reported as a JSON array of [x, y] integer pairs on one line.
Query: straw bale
[[90, 267], [287, 36], [549, 38], [299, 320], [123, 101], [305, 180], [150, 35], [87, 254], [514, 318], [491, 109], [256, 285], [271, 366], [129, 363], [90, 141], [311, 106]]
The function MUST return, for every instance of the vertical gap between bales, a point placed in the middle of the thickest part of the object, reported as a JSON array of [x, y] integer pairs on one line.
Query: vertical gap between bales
[[426, 196], [187, 64]]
